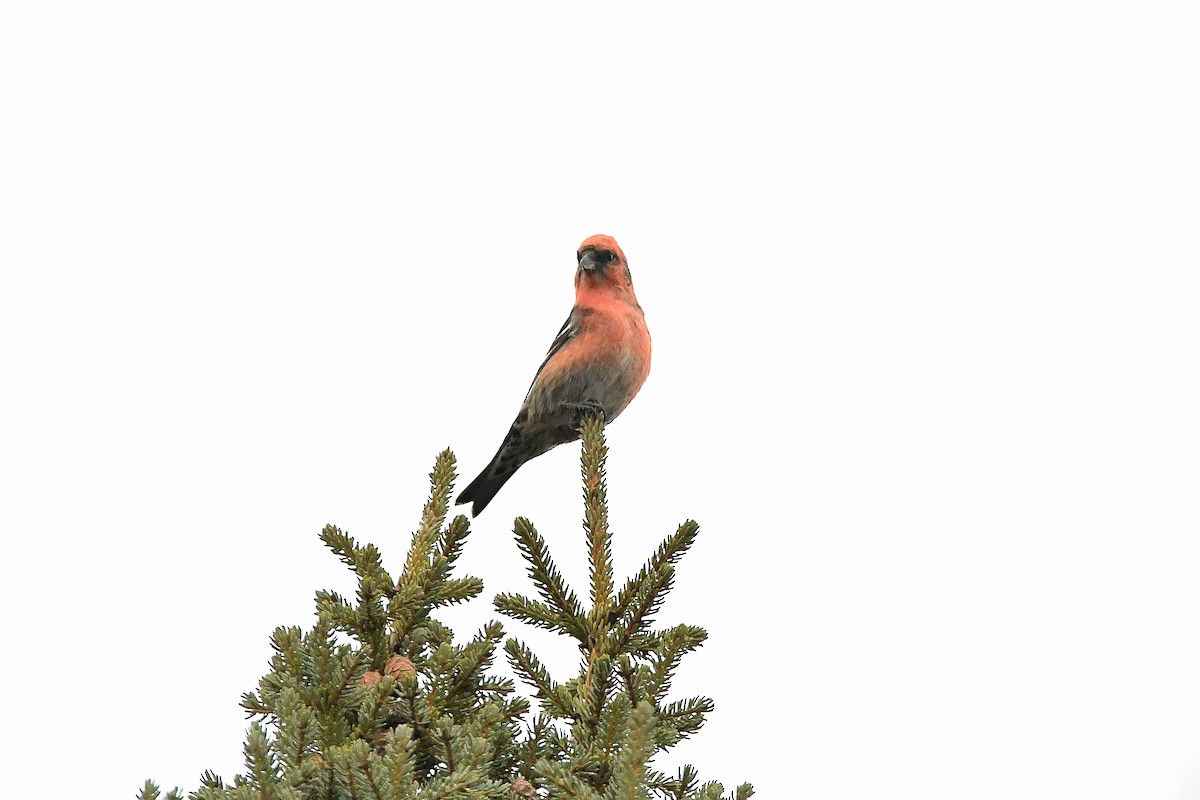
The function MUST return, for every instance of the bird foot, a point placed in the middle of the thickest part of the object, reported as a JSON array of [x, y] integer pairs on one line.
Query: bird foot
[[584, 409]]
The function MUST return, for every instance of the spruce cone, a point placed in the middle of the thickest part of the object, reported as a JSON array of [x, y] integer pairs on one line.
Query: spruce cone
[[399, 667]]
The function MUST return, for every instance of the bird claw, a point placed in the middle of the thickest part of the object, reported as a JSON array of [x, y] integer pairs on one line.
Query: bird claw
[[583, 409]]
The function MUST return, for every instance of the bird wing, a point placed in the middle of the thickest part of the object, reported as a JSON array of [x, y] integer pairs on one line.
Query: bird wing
[[568, 331]]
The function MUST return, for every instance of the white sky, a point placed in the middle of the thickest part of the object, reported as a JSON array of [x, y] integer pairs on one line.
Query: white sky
[[922, 280]]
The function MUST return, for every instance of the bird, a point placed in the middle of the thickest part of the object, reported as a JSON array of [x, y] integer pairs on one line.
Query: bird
[[597, 363]]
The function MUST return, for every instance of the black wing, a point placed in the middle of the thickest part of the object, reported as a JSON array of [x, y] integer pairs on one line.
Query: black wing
[[566, 333]]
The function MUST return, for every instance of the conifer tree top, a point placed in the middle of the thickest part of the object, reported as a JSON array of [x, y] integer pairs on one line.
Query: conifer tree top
[[378, 701]]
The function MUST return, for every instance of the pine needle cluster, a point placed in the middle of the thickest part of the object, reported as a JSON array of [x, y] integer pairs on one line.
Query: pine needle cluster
[[377, 700], [615, 709]]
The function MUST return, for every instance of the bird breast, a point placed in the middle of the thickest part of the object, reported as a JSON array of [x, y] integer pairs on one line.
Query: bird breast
[[607, 362]]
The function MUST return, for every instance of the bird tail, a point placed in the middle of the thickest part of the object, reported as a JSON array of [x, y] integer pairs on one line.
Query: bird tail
[[504, 464], [481, 490]]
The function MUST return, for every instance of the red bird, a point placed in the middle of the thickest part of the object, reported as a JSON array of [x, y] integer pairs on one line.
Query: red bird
[[598, 361]]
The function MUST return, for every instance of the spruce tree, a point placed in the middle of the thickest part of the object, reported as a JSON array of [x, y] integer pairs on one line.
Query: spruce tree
[[378, 701]]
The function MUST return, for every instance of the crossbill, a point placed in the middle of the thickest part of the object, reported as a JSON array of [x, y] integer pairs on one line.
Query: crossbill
[[597, 363]]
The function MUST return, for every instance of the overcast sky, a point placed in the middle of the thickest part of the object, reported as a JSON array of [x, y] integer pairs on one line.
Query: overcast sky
[[922, 280]]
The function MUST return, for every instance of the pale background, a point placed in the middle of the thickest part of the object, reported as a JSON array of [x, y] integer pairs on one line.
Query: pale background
[[923, 285]]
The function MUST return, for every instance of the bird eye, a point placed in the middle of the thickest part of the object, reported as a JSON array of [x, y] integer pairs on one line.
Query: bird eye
[[611, 257]]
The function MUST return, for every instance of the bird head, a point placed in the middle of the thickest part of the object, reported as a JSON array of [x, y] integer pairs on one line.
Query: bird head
[[602, 262]]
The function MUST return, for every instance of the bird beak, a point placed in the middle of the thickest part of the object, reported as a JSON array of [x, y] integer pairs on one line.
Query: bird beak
[[588, 260]]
